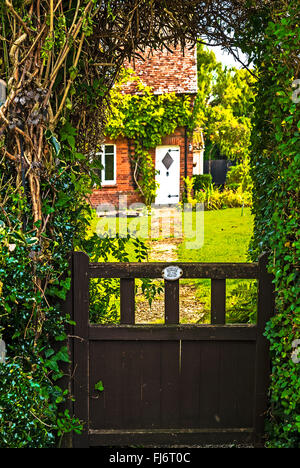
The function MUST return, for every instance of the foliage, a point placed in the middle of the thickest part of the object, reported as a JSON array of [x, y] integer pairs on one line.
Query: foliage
[[32, 321], [239, 176], [105, 293], [276, 174], [226, 97], [29, 404], [241, 304], [104, 247], [201, 181], [145, 118], [24, 408], [215, 198], [230, 134]]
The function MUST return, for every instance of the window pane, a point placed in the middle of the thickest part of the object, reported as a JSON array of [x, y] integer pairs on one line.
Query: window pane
[[109, 172], [109, 149]]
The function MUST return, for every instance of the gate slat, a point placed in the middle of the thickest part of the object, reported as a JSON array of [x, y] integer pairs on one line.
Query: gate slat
[[206, 332], [170, 388], [172, 302], [150, 384], [218, 301], [127, 293], [190, 378], [209, 385], [131, 384]]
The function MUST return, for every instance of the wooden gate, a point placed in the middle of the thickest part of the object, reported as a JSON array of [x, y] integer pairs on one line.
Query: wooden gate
[[169, 384]]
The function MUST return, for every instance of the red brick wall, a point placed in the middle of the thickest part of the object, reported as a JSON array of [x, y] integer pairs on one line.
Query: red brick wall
[[125, 184], [166, 72]]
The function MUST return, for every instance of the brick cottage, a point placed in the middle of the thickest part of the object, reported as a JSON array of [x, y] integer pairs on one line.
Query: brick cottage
[[177, 156]]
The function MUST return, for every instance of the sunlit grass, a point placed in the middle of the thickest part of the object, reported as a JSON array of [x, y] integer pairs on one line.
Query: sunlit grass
[[227, 234]]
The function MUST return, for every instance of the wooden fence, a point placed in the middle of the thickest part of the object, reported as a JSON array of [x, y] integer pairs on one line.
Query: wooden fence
[[172, 383]]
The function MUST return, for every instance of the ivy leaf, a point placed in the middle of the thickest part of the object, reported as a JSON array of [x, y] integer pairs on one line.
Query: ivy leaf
[[99, 386]]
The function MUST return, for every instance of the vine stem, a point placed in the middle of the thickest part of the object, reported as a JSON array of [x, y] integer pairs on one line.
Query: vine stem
[[70, 81], [17, 16], [51, 18]]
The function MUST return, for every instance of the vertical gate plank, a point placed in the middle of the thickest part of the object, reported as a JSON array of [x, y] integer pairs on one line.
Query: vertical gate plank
[[131, 384], [171, 302], [98, 362], [150, 384], [218, 301], [190, 377], [265, 310], [113, 381], [209, 385], [81, 345], [245, 384], [127, 292], [228, 383], [170, 387]]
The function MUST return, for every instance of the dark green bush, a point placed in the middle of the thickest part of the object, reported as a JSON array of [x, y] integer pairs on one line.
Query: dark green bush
[[201, 182], [276, 175]]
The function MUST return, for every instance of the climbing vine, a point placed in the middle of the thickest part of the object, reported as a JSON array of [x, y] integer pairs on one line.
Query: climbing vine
[[276, 174]]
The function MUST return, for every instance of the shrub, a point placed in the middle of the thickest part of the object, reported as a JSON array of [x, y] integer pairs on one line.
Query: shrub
[[214, 198], [239, 176], [201, 182]]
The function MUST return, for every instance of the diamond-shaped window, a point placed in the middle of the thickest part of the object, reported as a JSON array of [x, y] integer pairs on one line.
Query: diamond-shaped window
[[167, 160]]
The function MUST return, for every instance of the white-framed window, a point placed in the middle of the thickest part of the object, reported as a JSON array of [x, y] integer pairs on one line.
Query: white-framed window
[[108, 162]]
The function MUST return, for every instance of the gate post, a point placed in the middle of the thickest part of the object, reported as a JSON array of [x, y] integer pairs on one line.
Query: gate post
[[265, 310], [80, 277]]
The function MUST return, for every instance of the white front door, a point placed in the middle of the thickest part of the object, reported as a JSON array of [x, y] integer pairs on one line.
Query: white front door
[[167, 165]]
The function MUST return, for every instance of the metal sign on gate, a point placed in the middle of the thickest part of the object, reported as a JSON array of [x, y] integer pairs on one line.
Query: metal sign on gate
[[172, 273]]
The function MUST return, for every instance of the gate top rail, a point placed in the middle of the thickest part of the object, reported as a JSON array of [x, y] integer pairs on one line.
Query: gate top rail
[[218, 273], [190, 270]]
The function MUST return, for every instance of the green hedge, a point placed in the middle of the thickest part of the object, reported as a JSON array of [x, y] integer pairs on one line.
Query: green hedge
[[276, 175]]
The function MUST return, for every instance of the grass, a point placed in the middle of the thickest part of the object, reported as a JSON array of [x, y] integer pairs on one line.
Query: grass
[[226, 239]]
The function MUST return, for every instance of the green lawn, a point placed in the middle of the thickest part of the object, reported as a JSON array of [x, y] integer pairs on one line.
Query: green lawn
[[226, 239]]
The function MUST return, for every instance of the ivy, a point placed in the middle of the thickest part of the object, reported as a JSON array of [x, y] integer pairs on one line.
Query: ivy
[[276, 175], [34, 283]]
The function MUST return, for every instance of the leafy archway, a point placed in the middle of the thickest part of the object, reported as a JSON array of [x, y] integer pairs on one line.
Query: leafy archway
[[59, 59]]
